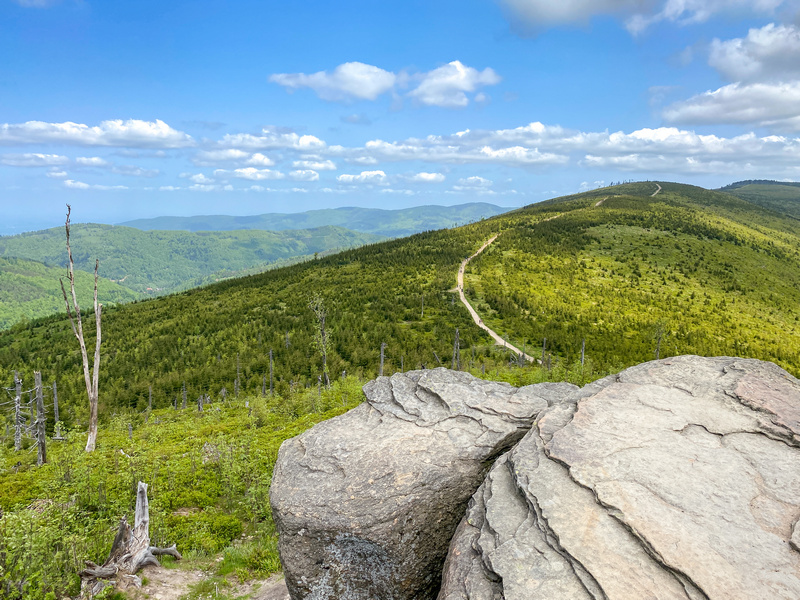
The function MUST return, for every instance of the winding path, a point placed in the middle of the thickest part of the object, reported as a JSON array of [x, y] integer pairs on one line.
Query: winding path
[[478, 321], [656, 192]]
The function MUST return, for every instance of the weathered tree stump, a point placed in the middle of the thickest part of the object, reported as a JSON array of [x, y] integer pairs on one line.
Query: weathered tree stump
[[130, 552]]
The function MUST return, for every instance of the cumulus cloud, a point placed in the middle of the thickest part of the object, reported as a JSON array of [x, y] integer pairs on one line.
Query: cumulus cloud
[[80, 185], [259, 160], [272, 138], [131, 133], [206, 187], [197, 178], [771, 53], [33, 160], [773, 105], [304, 175], [210, 158], [56, 173], [348, 81], [316, 165], [91, 161], [251, 173], [371, 177], [447, 85], [638, 14], [519, 147], [134, 171], [473, 182], [663, 149], [426, 178]]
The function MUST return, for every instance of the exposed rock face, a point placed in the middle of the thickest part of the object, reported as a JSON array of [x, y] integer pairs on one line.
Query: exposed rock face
[[366, 503], [676, 479]]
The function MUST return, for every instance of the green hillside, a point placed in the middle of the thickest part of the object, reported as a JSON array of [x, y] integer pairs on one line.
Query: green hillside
[[159, 262], [685, 271], [701, 271], [31, 289], [780, 196], [388, 223]]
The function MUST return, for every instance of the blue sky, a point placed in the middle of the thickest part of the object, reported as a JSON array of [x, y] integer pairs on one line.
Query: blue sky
[[139, 109]]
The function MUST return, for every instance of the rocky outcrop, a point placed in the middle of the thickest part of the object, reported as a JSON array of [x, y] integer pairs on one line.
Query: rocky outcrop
[[676, 479], [366, 503]]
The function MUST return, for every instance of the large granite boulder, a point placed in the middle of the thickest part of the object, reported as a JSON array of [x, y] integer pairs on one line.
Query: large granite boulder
[[678, 478], [366, 503]]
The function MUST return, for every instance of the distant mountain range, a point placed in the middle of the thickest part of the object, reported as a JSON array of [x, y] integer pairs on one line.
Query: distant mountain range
[[388, 223]]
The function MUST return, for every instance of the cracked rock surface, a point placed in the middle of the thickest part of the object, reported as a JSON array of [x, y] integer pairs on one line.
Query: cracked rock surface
[[366, 503], [678, 478]]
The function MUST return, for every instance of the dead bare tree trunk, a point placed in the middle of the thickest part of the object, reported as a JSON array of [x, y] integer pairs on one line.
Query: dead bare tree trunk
[[130, 552], [41, 421], [77, 329]]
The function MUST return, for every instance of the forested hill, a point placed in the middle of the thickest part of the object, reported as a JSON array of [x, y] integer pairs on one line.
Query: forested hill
[[388, 223], [30, 289], [687, 271], [158, 262], [780, 196]]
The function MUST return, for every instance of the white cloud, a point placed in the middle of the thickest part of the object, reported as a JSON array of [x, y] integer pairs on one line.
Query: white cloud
[[168, 188], [204, 187], [773, 105], [271, 138], [447, 85], [639, 14], [33, 160], [259, 160], [134, 171], [426, 178], [196, 177], [351, 80], [500, 147], [474, 182], [91, 161], [771, 53], [372, 177], [394, 191], [304, 175], [316, 165], [210, 158], [130, 133], [251, 173], [689, 12], [79, 185], [56, 173]]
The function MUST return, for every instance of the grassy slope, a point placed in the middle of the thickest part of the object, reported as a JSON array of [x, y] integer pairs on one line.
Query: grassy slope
[[774, 195], [30, 289], [713, 274], [389, 223], [164, 261], [710, 275]]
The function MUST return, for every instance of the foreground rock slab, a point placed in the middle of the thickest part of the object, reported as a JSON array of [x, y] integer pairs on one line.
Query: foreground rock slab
[[366, 503], [676, 479]]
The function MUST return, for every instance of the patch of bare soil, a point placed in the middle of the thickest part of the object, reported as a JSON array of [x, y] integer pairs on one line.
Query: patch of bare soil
[[166, 584], [171, 584]]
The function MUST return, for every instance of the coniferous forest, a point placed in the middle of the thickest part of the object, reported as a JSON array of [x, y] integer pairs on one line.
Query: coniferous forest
[[626, 275]]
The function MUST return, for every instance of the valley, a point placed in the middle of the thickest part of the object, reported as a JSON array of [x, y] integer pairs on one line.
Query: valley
[[618, 275]]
